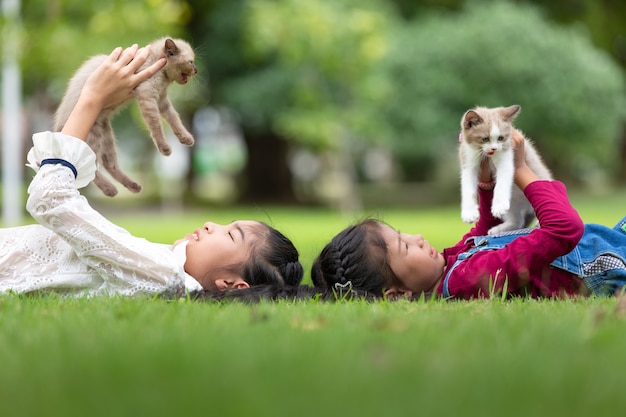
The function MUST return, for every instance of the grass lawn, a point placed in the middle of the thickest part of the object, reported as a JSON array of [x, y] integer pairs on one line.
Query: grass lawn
[[136, 357], [121, 357]]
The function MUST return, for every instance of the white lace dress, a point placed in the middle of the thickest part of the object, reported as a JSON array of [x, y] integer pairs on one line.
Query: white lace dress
[[74, 250]]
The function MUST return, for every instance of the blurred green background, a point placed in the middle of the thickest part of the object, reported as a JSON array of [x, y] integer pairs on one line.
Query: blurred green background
[[345, 103]]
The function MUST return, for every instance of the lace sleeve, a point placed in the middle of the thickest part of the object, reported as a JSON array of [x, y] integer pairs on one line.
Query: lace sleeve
[[123, 260], [71, 149]]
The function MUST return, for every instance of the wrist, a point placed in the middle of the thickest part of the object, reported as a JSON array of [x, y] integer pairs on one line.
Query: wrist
[[82, 117], [524, 176]]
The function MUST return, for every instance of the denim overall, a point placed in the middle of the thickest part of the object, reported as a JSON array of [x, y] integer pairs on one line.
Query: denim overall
[[599, 258]]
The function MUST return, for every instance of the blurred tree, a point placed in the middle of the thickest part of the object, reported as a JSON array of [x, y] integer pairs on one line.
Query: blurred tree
[[218, 27], [604, 20], [330, 53], [295, 70], [443, 64], [58, 35]]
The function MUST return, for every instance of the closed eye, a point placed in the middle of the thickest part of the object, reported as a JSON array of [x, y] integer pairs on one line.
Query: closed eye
[[406, 245], [231, 236]]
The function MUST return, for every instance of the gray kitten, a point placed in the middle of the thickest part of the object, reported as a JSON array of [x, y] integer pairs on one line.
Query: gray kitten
[[486, 133], [153, 103]]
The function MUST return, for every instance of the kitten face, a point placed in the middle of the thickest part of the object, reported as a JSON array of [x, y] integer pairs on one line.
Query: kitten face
[[180, 59], [489, 130]]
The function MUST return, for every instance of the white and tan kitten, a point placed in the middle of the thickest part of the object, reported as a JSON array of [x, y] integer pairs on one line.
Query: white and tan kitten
[[486, 133], [153, 103]]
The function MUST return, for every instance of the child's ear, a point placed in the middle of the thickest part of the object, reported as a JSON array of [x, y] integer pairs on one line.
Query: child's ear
[[240, 284], [236, 283], [395, 292]]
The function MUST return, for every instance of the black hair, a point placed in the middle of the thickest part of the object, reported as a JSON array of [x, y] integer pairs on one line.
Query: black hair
[[273, 263], [261, 292], [355, 260]]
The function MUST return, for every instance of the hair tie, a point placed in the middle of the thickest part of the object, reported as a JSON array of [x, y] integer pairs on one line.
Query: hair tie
[[343, 287]]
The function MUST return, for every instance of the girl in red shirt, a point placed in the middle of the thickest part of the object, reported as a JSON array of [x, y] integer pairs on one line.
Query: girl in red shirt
[[562, 258]]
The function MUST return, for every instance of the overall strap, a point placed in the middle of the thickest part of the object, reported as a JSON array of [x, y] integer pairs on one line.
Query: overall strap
[[461, 258], [483, 243]]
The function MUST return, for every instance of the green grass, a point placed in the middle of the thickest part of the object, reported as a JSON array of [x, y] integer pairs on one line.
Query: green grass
[[136, 357], [120, 357]]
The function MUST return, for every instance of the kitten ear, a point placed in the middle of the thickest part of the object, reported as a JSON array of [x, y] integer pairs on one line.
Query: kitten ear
[[170, 48], [511, 112], [471, 119]]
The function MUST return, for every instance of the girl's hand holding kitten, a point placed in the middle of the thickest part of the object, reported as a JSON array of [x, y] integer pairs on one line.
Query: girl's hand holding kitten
[[523, 174], [113, 82], [519, 153], [486, 172], [110, 84]]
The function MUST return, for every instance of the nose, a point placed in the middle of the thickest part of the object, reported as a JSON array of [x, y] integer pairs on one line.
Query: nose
[[211, 227]]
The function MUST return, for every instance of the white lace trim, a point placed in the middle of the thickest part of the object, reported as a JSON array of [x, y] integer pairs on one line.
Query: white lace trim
[[75, 151]]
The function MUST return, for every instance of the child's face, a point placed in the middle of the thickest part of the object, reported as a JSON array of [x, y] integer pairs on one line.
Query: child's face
[[417, 265], [215, 246]]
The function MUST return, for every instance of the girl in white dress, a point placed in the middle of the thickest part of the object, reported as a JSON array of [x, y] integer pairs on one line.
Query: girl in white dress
[[74, 250]]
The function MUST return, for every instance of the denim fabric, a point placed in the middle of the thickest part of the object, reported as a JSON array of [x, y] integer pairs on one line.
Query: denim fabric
[[597, 241]]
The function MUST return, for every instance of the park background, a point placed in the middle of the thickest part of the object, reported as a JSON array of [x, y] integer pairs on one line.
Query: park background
[[312, 114], [344, 104]]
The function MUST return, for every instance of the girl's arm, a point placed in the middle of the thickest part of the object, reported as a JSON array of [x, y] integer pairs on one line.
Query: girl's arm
[[523, 174]]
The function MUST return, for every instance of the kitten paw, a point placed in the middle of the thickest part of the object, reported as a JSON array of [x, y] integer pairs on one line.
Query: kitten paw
[[499, 209], [186, 139], [133, 187], [501, 228], [165, 150], [107, 189], [470, 215]]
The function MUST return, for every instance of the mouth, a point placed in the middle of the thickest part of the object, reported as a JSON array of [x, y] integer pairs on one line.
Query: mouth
[[491, 153], [184, 78], [434, 252], [195, 236]]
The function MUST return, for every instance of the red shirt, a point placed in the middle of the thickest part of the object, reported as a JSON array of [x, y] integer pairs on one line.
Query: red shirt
[[524, 264]]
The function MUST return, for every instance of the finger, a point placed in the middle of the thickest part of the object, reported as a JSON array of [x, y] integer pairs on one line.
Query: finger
[[140, 57], [128, 54], [115, 54], [151, 70]]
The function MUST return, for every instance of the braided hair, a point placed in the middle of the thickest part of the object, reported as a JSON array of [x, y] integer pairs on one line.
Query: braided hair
[[356, 256]]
